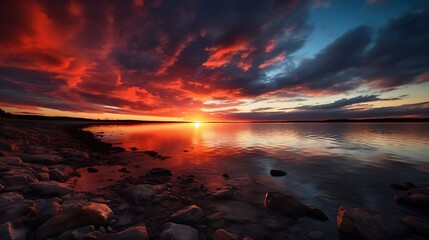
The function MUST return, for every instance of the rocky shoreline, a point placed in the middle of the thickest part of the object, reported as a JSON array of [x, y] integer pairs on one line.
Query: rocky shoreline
[[39, 201]]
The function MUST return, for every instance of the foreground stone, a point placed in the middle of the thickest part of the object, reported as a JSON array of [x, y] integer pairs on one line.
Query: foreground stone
[[222, 234], [224, 193], [417, 225], [292, 207], [13, 231], [76, 216], [235, 211], [188, 215], [144, 192], [13, 206], [367, 224], [50, 188], [174, 231], [132, 233], [44, 211]]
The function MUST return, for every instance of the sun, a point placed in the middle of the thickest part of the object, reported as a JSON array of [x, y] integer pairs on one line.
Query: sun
[[197, 124]]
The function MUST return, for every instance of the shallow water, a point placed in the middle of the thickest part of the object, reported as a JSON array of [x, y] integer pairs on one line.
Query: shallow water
[[352, 163]]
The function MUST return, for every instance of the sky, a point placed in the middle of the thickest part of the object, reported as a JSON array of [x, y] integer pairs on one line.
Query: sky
[[215, 60]]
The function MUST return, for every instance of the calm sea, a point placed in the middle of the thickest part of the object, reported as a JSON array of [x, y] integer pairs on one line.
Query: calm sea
[[348, 163]]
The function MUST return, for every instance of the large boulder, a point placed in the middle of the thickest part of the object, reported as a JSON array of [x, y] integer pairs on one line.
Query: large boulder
[[292, 207], [80, 215], [13, 206], [188, 215], [50, 188], [367, 224], [174, 231], [132, 233]]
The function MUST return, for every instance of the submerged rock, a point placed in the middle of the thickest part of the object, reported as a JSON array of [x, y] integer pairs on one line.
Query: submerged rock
[[224, 193], [415, 200], [73, 217], [417, 225], [292, 207], [173, 231], [160, 172], [151, 153], [277, 173], [188, 215], [133, 149], [222, 234], [51, 188], [367, 224]]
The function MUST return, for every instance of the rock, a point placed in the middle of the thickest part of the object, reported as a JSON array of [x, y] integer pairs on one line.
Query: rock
[[124, 170], [11, 160], [46, 159], [173, 231], [160, 172], [73, 217], [124, 220], [132, 233], [273, 224], [42, 176], [316, 235], [19, 180], [1, 188], [44, 211], [13, 231], [292, 207], [61, 173], [225, 175], [277, 173], [151, 153], [224, 193], [81, 232], [237, 211], [133, 149], [424, 191], [222, 234], [188, 215], [123, 206], [415, 200], [14, 207], [144, 192], [50, 188], [366, 224], [399, 187], [92, 170], [416, 225]]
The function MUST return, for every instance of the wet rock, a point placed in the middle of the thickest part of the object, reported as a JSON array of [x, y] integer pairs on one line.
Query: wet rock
[[13, 231], [173, 231], [277, 173], [50, 188], [11, 160], [292, 207], [415, 200], [224, 193], [237, 211], [124, 170], [416, 225], [123, 206], [73, 217], [46, 159], [188, 215], [424, 191], [1, 188], [160, 172], [44, 211], [225, 175], [366, 224], [135, 232], [61, 173], [13, 206], [81, 232], [42, 176], [117, 149], [151, 153], [144, 192], [399, 187], [19, 179], [92, 170], [133, 149], [222, 234]]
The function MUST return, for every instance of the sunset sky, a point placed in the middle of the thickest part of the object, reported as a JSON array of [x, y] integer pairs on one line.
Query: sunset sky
[[201, 60]]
